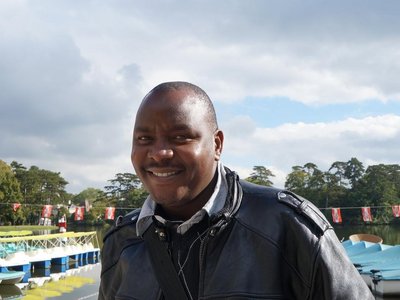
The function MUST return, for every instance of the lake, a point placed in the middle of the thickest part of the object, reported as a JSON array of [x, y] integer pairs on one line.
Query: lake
[[84, 282], [389, 233]]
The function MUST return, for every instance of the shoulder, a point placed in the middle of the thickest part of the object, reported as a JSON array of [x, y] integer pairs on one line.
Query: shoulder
[[305, 208], [279, 206], [119, 237], [127, 222]]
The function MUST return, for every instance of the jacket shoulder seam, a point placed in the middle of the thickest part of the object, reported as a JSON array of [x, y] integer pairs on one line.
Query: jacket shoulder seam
[[305, 208]]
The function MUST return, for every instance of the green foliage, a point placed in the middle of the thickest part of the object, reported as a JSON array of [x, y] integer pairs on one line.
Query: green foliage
[[309, 182], [261, 176], [126, 190], [348, 184], [9, 193], [9, 185], [296, 180], [345, 184], [40, 186]]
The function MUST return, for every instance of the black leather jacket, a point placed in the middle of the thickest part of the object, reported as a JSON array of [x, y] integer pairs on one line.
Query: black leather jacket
[[265, 244]]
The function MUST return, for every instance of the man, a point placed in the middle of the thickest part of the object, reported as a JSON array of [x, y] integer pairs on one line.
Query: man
[[224, 238]]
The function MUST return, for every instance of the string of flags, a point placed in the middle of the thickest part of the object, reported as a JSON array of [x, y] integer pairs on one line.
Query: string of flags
[[78, 211], [365, 214], [109, 213]]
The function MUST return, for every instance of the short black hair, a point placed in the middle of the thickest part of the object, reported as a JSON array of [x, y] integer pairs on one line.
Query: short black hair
[[200, 94]]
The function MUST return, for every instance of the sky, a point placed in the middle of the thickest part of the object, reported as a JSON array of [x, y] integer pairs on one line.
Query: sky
[[292, 81]]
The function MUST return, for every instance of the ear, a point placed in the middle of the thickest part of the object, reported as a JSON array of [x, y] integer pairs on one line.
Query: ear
[[218, 144]]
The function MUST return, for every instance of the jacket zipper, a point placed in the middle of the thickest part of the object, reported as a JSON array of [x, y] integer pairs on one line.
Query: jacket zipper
[[202, 262], [202, 259]]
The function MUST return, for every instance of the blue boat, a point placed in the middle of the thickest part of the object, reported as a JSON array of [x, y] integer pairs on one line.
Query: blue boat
[[386, 282], [366, 259], [11, 277], [378, 264], [361, 248]]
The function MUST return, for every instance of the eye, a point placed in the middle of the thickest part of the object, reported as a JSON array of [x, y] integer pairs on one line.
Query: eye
[[143, 139], [180, 137]]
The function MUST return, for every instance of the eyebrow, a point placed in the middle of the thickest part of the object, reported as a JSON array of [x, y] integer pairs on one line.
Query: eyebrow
[[141, 128], [176, 127]]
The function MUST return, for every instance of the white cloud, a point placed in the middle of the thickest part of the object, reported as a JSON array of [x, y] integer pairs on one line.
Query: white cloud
[[72, 75], [312, 52], [371, 139]]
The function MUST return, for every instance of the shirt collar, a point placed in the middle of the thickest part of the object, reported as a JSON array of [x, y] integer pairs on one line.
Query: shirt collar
[[213, 205]]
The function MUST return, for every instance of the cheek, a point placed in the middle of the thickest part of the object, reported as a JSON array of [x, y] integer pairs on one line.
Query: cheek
[[200, 157], [198, 151], [203, 161], [136, 159]]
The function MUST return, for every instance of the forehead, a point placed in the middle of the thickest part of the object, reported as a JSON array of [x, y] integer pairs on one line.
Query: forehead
[[176, 107]]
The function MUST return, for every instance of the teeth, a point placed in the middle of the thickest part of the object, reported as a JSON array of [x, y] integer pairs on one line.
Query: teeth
[[164, 174]]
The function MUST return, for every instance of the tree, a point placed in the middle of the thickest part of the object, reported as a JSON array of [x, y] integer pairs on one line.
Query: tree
[[315, 178], [126, 190], [9, 193], [379, 186], [380, 183], [354, 171], [338, 169], [261, 176], [40, 186], [90, 194], [334, 189], [296, 180], [308, 181], [97, 201]]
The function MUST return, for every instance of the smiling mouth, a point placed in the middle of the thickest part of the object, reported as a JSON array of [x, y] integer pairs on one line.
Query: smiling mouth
[[166, 174]]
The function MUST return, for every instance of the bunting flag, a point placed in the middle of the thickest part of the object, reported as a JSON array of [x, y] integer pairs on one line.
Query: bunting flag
[[366, 214], [16, 206], [336, 215], [110, 213], [46, 211], [396, 211], [79, 213], [62, 222]]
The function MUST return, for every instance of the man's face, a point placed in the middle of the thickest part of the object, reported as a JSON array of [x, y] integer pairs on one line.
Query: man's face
[[174, 149]]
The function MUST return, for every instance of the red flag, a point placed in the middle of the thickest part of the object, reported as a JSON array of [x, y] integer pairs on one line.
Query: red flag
[[15, 206], [79, 213], [110, 213], [366, 214], [62, 222], [46, 211], [396, 211], [336, 215]]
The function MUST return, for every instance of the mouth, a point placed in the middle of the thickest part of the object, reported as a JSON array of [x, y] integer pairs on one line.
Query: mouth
[[164, 174]]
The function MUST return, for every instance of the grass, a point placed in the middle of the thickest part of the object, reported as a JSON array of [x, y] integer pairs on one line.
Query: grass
[[26, 227]]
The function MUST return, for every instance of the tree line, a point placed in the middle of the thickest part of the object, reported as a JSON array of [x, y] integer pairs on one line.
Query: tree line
[[345, 184]]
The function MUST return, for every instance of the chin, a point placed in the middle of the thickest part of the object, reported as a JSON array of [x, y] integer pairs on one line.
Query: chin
[[172, 200]]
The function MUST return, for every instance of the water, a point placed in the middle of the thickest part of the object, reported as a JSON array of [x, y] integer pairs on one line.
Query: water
[[84, 283], [389, 233]]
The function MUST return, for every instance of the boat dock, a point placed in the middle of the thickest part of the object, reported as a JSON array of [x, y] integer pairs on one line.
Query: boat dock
[[27, 253]]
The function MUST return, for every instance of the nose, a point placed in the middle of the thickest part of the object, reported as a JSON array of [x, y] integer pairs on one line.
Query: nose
[[160, 151]]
